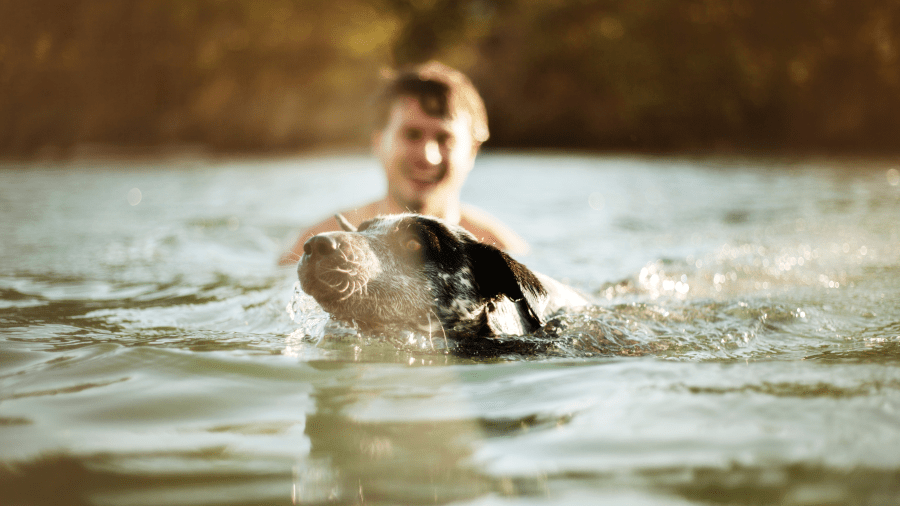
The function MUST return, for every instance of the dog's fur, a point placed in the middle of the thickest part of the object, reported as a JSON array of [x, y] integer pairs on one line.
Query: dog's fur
[[422, 272]]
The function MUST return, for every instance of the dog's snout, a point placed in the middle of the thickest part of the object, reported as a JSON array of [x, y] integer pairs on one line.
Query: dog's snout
[[321, 245]]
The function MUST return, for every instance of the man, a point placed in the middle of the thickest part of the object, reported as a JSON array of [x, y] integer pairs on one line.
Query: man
[[431, 123]]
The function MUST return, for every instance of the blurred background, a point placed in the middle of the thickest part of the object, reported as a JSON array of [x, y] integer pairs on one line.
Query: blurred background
[[279, 76]]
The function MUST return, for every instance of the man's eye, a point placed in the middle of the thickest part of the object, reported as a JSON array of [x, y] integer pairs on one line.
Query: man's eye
[[413, 134]]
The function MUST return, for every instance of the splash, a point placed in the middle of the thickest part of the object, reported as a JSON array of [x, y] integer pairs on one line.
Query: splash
[[311, 318]]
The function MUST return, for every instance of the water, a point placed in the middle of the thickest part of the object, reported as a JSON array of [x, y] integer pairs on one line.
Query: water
[[744, 347]]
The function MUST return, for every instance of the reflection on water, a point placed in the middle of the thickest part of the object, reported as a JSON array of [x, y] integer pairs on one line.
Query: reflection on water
[[743, 349]]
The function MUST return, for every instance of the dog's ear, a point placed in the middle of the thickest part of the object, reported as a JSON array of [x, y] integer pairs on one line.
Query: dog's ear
[[345, 225], [497, 274]]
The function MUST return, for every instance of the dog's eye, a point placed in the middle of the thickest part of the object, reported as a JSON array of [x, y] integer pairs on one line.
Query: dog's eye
[[412, 245]]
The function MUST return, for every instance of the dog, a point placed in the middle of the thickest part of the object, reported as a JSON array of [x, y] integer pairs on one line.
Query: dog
[[421, 272]]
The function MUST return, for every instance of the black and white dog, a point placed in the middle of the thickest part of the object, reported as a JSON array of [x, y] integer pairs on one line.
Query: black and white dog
[[421, 272]]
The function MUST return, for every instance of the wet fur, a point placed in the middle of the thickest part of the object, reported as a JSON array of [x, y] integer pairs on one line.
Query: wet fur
[[451, 283]]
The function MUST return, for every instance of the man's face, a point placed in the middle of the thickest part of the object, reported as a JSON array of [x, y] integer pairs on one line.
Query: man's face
[[426, 159]]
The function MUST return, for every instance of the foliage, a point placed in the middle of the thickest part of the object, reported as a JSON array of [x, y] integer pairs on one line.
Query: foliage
[[613, 74]]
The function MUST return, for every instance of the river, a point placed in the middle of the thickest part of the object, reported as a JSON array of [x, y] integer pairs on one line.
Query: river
[[743, 345]]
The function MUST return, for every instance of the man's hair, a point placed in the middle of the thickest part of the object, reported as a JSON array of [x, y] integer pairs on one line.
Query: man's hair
[[442, 92]]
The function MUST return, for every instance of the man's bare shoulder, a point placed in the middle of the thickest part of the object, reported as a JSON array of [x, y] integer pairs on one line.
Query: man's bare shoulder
[[489, 229]]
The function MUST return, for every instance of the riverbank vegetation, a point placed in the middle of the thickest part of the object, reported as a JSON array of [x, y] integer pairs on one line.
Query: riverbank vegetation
[[277, 75]]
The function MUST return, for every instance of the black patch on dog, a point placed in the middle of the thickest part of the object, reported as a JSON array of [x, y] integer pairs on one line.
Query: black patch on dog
[[497, 274]]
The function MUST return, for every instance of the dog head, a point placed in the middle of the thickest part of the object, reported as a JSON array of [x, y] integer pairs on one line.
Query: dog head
[[419, 271]]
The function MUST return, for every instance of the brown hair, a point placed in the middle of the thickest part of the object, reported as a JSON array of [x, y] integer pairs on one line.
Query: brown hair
[[442, 92]]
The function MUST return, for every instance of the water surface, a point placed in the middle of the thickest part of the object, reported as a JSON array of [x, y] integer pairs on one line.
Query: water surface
[[744, 345]]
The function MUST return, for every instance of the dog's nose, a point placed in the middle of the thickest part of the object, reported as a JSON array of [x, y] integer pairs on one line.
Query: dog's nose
[[322, 245]]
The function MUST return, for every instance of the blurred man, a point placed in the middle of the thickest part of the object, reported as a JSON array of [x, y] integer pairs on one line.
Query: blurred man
[[430, 124]]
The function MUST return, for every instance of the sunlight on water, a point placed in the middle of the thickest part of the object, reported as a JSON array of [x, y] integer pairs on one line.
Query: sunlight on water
[[893, 177]]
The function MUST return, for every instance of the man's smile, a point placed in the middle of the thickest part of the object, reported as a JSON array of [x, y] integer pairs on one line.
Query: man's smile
[[421, 185]]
